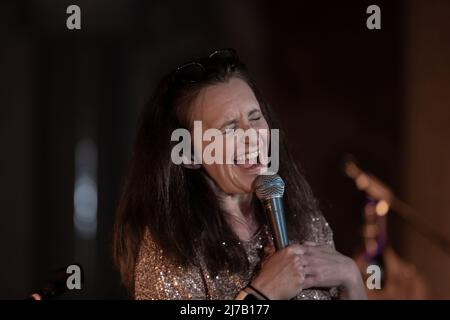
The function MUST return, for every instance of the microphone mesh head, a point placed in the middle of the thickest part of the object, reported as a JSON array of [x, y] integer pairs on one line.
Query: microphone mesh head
[[268, 186]]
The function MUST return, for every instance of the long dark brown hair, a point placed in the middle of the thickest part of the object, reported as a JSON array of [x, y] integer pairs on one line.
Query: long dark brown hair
[[176, 204]]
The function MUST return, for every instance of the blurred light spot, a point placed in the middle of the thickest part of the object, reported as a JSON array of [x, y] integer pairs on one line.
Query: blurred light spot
[[382, 208], [85, 191]]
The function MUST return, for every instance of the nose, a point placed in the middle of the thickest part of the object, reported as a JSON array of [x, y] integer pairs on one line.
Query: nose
[[246, 126]]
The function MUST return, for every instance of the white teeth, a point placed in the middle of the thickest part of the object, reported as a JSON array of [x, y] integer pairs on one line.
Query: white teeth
[[252, 155], [248, 156]]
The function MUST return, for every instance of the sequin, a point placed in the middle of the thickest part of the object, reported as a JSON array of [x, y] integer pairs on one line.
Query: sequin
[[158, 278]]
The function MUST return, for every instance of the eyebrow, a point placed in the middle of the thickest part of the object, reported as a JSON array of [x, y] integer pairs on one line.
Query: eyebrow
[[233, 121]]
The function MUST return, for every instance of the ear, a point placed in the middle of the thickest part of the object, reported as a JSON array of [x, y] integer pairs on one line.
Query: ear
[[189, 163]]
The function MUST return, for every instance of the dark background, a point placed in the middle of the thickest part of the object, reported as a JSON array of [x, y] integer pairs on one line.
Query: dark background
[[338, 88]]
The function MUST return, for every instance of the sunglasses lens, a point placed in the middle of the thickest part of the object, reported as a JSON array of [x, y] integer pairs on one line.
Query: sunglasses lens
[[197, 71], [192, 72], [225, 55], [228, 56]]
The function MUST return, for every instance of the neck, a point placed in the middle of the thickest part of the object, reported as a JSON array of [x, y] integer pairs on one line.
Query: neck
[[240, 212], [238, 205]]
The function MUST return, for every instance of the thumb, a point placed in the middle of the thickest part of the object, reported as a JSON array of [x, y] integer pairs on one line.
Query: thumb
[[269, 250]]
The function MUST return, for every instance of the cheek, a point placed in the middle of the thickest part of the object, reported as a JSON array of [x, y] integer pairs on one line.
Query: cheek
[[263, 137], [229, 147], [218, 152]]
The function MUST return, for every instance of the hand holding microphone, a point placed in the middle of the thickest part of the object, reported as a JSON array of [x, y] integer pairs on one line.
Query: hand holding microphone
[[281, 275], [294, 267]]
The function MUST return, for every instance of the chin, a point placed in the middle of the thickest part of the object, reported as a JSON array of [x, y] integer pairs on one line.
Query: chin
[[244, 180], [236, 179]]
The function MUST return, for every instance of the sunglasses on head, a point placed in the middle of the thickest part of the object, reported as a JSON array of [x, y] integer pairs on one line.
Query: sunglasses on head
[[196, 71]]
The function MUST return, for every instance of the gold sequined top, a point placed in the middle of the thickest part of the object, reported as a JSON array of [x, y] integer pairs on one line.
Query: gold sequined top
[[158, 278]]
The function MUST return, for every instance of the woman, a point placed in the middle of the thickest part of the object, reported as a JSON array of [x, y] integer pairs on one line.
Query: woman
[[187, 231]]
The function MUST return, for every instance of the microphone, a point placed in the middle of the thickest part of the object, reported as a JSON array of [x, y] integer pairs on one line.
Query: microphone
[[270, 189]]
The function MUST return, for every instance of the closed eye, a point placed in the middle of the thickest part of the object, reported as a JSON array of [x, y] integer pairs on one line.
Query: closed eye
[[254, 115], [231, 124]]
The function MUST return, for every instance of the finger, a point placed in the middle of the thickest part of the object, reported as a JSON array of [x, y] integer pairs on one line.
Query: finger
[[317, 244], [318, 260], [303, 274], [269, 250], [310, 271], [310, 250], [301, 269], [295, 249], [310, 282], [317, 249]]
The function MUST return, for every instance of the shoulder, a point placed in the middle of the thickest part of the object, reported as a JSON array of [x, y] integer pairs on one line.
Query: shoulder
[[158, 277], [147, 248]]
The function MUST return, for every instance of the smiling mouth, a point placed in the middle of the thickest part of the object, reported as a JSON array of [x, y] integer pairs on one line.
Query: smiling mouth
[[248, 160], [247, 157]]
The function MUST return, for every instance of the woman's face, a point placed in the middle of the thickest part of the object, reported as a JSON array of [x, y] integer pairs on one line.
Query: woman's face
[[231, 105]]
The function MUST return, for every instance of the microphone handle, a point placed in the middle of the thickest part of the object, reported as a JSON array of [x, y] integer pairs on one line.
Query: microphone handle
[[275, 214]]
